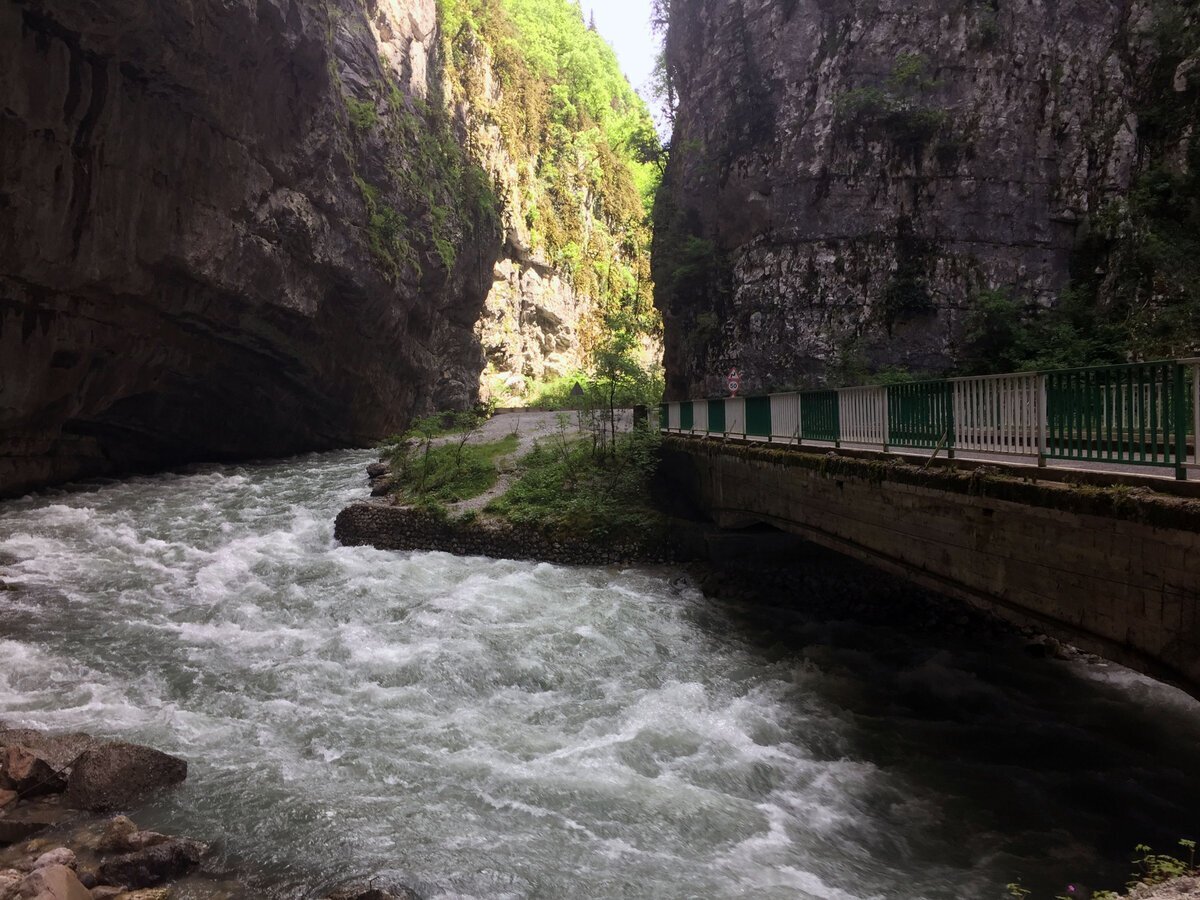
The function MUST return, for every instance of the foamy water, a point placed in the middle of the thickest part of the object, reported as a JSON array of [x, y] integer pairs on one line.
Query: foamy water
[[499, 729]]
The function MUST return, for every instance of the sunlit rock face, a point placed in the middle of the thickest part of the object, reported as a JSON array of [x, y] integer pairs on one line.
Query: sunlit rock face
[[848, 175], [193, 201]]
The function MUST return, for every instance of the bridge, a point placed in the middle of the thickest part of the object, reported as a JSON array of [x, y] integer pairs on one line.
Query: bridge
[[1057, 499]]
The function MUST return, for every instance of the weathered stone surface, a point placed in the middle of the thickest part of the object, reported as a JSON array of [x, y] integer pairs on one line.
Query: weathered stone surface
[[53, 883], [30, 775], [531, 323], [60, 856], [152, 866], [190, 264], [117, 832], [115, 775], [59, 750], [10, 883], [863, 168], [1177, 889]]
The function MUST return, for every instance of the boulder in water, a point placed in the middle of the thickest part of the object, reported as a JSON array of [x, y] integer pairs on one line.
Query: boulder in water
[[58, 750], [30, 774], [153, 865], [115, 775]]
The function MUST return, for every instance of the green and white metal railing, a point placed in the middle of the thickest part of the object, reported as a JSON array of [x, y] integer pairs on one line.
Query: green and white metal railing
[[1139, 414]]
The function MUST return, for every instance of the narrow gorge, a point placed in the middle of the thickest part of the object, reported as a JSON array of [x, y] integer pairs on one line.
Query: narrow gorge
[[248, 231], [450, 449]]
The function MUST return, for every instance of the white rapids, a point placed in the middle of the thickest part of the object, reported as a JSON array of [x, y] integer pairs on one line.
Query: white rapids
[[485, 728]]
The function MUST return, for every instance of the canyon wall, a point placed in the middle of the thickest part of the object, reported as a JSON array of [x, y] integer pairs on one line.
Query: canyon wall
[[229, 228], [848, 178]]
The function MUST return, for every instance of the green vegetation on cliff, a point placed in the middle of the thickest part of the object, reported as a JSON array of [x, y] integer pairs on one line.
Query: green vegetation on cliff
[[582, 141]]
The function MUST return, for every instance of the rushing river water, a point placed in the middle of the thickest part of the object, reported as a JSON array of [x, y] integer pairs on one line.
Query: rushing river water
[[501, 729]]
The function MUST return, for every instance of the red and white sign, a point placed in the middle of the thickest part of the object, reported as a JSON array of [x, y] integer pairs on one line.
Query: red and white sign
[[734, 382]]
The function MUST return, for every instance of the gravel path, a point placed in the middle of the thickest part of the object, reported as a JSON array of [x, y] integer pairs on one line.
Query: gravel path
[[530, 427]]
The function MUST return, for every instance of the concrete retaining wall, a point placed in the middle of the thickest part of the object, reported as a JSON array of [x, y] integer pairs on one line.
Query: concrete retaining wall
[[1114, 572]]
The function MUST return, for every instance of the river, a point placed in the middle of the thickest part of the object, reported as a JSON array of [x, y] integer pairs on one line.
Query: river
[[486, 728]]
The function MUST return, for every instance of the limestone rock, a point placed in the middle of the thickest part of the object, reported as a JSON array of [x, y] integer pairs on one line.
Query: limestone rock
[[117, 832], [60, 856], [53, 883], [106, 892], [30, 774], [115, 775], [58, 750], [153, 865], [10, 883]]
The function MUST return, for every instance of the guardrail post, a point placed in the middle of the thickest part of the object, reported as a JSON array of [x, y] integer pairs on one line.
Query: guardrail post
[[886, 421], [1043, 423], [1181, 423], [1196, 413]]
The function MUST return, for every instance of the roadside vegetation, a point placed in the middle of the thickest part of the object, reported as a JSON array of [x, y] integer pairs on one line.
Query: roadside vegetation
[[430, 473], [590, 478], [1150, 869], [584, 483]]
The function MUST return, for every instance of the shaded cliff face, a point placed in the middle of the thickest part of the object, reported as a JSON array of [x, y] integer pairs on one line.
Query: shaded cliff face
[[848, 176], [228, 229]]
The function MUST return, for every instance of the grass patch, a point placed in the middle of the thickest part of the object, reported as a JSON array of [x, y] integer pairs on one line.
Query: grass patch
[[430, 476], [565, 485]]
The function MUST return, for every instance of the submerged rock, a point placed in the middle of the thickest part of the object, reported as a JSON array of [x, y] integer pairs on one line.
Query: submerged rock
[[20, 823], [152, 866], [115, 775], [369, 890]]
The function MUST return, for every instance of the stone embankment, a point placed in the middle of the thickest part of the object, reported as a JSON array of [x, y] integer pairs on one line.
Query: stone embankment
[[385, 526]]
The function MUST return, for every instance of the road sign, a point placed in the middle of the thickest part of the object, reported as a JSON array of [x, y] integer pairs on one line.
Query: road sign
[[734, 382]]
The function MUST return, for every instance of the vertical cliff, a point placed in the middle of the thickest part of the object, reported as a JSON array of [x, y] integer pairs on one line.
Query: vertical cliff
[[569, 144], [228, 229], [851, 180]]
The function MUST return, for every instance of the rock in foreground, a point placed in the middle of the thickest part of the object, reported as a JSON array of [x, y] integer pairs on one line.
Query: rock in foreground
[[116, 775]]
